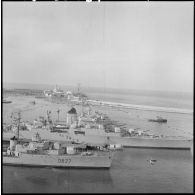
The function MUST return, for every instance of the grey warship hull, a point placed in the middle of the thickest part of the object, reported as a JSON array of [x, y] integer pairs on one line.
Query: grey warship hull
[[63, 161], [97, 138], [139, 142]]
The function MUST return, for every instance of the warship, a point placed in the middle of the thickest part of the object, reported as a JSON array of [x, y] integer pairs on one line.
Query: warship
[[45, 153], [78, 130]]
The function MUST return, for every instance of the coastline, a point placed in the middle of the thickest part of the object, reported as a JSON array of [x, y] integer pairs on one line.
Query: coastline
[[141, 107], [130, 104]]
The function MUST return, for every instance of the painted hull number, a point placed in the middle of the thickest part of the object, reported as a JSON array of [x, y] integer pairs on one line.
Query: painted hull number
[[66, 161]]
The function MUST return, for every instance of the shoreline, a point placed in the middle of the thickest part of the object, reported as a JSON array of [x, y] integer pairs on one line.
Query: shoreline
[[140, 107], [33, 92]]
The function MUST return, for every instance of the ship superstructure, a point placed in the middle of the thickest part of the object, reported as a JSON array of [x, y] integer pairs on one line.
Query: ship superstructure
[[97, 129], [56, 154]]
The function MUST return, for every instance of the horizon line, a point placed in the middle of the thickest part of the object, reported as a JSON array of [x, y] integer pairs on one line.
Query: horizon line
[[87, 87]]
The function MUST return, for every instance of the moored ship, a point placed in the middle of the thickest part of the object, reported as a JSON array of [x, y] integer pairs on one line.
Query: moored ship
[[158, 120], [7, 101], [78, 130], [50, 154]]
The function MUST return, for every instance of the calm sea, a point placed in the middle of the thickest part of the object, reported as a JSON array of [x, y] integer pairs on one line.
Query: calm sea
[[130, 171]]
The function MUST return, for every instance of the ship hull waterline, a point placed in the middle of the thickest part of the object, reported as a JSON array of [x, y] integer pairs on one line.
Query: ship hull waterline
[[58, 161], [134, 142]]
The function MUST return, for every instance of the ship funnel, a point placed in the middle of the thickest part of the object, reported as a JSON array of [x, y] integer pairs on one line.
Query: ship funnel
[[71, 117], [13, 142]]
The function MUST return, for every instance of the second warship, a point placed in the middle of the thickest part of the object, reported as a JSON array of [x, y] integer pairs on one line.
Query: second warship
[[79, 130]]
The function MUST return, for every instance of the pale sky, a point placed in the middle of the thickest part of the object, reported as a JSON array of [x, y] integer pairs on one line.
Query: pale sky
[[133, 45]]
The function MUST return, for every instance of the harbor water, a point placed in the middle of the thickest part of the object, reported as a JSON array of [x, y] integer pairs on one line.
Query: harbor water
[[131, 170]]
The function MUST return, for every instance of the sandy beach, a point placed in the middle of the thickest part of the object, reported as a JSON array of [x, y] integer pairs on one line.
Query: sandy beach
[[141, 107]]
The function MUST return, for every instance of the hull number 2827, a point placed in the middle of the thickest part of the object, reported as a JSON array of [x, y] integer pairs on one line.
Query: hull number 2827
[[61, 160]]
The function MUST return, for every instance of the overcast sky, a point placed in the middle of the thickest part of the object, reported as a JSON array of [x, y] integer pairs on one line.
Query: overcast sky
[[134, 45]]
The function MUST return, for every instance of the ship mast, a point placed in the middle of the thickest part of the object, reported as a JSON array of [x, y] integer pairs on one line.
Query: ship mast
[[17, 119], [58, 111], [78, 87], [48, 117]]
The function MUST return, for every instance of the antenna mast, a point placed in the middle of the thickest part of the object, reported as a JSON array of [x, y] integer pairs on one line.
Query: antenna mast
[[78, 87], [58, 111], [17, 119]]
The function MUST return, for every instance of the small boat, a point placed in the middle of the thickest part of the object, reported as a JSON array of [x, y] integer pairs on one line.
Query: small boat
[[159, 120], [152, 161], [7, 101]]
